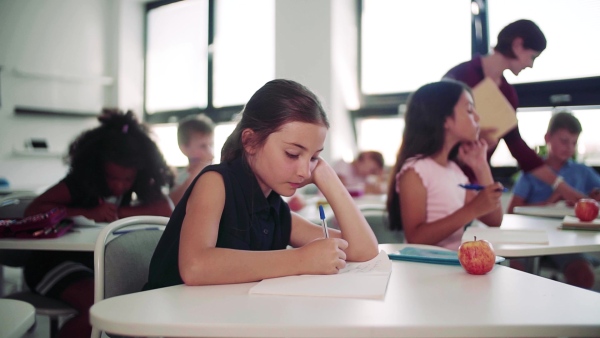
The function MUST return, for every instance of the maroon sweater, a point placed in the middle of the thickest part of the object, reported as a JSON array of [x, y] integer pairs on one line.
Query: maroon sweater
[[471, 73]]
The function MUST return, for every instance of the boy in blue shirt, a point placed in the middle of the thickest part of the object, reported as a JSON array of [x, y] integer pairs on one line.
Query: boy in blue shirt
[[561, 140], [195, 137]]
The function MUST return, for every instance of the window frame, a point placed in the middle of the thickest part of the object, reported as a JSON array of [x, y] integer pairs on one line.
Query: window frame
[[218, 115], [580, 91]]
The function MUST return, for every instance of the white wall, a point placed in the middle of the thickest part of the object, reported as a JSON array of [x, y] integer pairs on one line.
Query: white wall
[[65, 55], [312, 47], [90, 54]]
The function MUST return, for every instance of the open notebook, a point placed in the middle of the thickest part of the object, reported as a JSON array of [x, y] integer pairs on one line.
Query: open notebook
[[357, 280]]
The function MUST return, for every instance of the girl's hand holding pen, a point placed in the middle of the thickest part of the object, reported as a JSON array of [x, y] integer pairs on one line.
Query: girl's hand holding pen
[[323, 256], [104, 212], [487, 199]]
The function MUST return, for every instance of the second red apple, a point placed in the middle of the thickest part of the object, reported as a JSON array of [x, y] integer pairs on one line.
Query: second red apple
[[586, 209]]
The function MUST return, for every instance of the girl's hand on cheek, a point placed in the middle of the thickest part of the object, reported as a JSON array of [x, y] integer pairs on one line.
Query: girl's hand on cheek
[[473, 153], [321, 173], [323, 256]]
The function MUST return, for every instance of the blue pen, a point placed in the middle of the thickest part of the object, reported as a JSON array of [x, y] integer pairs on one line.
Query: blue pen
[[477, 187], [121, 232], [322, 213]]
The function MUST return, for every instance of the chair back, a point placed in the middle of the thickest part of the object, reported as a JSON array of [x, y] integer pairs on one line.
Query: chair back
[[126, 262], [121, 261], [378, 220], [122, 258]]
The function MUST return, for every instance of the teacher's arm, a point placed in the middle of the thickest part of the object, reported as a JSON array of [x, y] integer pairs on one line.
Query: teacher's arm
[[530, 162]]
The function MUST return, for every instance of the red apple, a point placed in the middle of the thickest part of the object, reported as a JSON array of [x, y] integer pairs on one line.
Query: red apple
[[586, 209], [296, 203], [477, 257]]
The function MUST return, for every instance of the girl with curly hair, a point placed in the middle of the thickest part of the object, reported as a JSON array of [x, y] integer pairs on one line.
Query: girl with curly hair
[[115, 171]]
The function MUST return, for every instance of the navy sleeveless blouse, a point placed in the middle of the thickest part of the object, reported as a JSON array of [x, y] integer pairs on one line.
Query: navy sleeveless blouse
[[249, 222]]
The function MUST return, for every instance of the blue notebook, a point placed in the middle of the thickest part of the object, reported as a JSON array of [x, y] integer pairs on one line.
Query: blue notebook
[[432, 256]]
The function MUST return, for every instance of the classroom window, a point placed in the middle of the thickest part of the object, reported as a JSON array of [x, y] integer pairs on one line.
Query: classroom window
[[165, 136], [177, 57], [533, 124], [406, 44], [385, 134], [570, 28], [193, 68], [397, 50], [244, 59], [381, 134]]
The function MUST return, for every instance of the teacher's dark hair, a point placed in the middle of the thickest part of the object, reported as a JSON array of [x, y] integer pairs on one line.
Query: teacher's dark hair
[[532, 35], [276, 103], [424, 132]]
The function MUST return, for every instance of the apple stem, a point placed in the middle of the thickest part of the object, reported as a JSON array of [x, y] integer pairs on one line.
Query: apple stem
[[475, 238]]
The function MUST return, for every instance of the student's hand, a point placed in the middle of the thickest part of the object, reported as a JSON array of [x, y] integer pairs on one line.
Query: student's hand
[[486, 135], [487, 199], [570, 195], [104, 212], [595, 194], [321, 173], [324, 256], [473, 154]]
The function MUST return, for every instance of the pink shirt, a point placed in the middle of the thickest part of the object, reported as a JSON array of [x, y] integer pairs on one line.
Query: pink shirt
[[352, 180], [444, 196]]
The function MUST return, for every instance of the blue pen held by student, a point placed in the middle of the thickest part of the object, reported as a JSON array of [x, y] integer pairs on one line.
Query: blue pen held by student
[[322, 213], [477, 187]]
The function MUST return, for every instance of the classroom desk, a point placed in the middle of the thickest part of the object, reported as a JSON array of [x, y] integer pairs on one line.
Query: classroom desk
[[559, 241], [311, 208], [79, 239], [422, 300], [16, 317]]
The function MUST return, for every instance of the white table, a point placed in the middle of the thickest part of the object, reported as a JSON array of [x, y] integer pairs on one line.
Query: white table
[[422, 300], [311, 208], [78, 239], [560, 241], [16, 317]]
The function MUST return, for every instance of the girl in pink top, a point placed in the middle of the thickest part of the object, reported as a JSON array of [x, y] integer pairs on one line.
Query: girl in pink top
[[424, 197]]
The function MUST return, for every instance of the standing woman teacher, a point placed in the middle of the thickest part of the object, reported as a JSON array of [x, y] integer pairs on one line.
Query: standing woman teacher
[[519, 44]]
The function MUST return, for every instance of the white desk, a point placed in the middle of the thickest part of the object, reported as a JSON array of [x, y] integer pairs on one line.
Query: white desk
[[422, 300], [311, 208], [80, 239], [16, 317], [560, 241]]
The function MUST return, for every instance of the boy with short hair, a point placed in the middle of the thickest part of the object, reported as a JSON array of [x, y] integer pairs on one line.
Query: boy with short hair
[[561, 140], [195, 137]]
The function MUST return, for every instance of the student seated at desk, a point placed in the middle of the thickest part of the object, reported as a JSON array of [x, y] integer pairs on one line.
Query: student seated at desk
[[425, 198], [364, 175], [232, 225], [108, 165], [195, 137], [561, 141]]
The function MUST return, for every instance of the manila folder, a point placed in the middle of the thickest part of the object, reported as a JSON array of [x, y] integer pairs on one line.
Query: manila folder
[[493, 108]]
